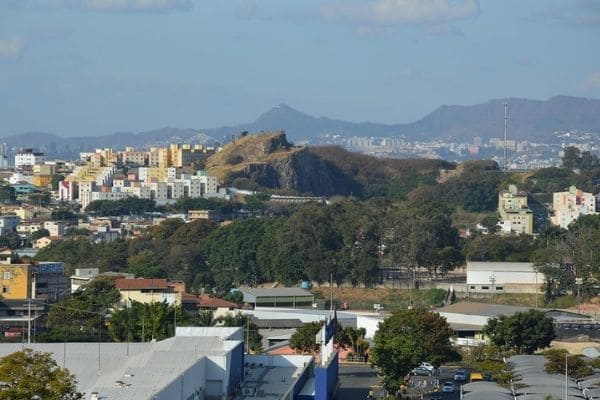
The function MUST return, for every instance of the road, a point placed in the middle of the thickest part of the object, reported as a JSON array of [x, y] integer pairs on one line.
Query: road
[[356, 380]]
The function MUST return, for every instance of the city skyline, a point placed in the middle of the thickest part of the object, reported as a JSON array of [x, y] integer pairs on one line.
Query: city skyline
[[86, 67]]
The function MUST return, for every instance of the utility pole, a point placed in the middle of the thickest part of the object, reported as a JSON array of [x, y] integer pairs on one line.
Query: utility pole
[[29, 321], [566, 376], [331, 292], [493, 282], [505, 137]]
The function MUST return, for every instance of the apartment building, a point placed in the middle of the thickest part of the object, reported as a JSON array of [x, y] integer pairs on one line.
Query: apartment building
[[570, 205], [515, 215]]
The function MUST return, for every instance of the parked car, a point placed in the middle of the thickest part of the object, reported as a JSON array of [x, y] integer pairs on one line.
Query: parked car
[[427, 365], [448, 387], [422, 371], [476, 376], [436, 396], [460, 375]]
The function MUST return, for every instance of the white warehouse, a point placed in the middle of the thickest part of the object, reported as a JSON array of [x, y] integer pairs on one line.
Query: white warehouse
[[503, 277]]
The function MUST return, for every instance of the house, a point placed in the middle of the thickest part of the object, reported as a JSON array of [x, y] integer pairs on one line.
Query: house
[[45, 241], [152, 290], [5, 255], [56, 228], [204, 302], [82, 276]]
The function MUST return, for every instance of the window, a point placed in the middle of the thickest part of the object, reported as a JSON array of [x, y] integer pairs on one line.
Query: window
[[485, 288], [6, 275], [499, 288], [472, 287], [5, 289]]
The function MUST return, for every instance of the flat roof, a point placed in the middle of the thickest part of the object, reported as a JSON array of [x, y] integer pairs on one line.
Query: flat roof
[[500, 266], [539, 383], [143, 368], [484, 309], [276, 292]]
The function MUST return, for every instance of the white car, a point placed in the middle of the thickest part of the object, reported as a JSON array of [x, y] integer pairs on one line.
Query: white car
[[460, 375], [448, 387], [427, 366]]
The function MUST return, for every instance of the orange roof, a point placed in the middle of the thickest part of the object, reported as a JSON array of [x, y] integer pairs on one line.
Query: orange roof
[[205, 301], [141, 283]]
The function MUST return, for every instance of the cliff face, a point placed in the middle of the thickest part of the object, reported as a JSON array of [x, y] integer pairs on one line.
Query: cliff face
[[302, 172], [270, 161]]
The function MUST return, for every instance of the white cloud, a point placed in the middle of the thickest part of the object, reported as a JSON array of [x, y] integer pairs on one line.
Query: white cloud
[[401, 12], [593, 81], [11, 47], [109, 5]]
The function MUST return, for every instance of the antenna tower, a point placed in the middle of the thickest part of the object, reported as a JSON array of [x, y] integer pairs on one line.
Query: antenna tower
[[505, 138]]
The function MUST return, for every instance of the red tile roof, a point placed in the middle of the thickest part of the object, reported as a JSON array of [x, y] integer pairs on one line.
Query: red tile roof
[[141, 283], [205, 301]]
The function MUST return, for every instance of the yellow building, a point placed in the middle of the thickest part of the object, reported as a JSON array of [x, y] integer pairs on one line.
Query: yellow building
[[42, 180], [144, 290], [515, 215], [15, 281]]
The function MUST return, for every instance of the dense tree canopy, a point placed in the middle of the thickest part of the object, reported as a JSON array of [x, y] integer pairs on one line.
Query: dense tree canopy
[[29, 374], [523, 332], [408, 338]]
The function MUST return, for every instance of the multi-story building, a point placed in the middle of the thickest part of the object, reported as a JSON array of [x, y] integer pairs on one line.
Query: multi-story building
[[56, 228], [28, 158], [568, 206], [515, 215], [49, 280], [149, 290], [15, 281], [9, 223], [132, 157]]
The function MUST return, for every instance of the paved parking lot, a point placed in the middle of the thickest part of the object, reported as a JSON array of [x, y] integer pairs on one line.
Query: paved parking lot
[[356, 380]]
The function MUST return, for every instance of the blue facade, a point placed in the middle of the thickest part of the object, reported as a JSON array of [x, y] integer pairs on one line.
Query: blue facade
[[236, 369], [326, 379]]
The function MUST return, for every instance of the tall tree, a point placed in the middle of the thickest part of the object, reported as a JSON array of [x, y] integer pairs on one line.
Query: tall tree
[[29, 374], [524, 332], [407, 338]]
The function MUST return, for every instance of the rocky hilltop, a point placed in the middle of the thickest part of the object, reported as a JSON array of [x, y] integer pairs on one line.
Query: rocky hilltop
[[268, 160]]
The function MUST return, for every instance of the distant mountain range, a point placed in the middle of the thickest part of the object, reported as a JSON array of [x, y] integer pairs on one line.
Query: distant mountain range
[[534, 120]]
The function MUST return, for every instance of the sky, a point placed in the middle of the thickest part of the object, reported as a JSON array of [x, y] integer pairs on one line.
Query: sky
[[91, 67]]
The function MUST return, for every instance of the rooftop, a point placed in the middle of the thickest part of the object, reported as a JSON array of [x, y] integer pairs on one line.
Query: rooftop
[[141, 283], [483, 309], [130, 371], [279, 291], [500, 266]]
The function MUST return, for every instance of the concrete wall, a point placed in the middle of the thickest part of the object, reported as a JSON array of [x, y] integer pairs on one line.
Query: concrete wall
[[370, 323], [504, 277], [188, 386]]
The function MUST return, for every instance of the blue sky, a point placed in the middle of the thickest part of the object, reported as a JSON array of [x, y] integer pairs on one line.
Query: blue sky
[[87, 67]]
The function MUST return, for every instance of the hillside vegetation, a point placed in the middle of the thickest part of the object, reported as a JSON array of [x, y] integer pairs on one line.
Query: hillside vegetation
[[269, 161]]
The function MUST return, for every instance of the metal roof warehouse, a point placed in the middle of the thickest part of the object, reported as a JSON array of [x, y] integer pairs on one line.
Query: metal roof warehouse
[[278, 297]]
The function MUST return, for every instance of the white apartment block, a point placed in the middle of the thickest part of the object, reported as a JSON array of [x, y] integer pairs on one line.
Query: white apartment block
[[55, 228], [87, 197], [568, 206], [27, 157]]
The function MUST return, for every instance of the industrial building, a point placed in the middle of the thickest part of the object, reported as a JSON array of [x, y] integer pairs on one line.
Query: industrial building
[[278, 297], [503, 277], [199, 363]]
